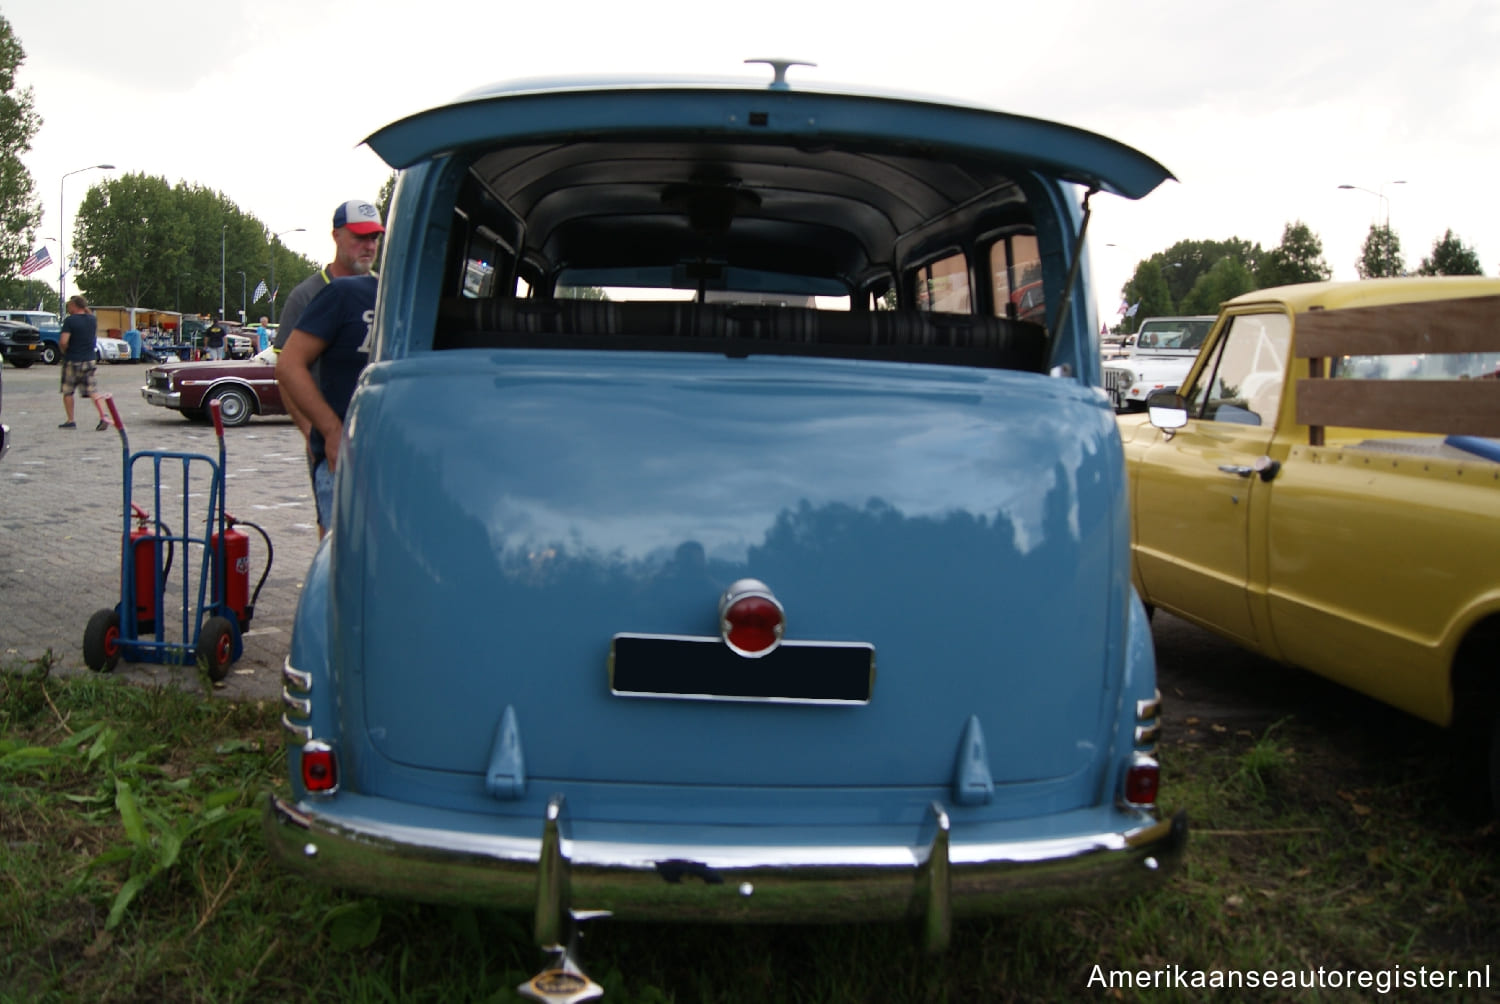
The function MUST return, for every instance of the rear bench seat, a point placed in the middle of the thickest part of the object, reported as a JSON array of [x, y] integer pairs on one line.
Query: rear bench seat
[[743, 329]]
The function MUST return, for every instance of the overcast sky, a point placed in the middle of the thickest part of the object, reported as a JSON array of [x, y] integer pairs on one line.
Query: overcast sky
[[1261, 110]]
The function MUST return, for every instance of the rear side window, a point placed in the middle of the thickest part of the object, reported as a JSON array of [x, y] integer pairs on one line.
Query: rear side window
[[1016, 278], [943, 285]]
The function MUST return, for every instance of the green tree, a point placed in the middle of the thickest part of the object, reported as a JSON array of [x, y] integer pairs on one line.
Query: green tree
[[141, 243], [1381, 255], [1450, 256], [581, 293], [1181, 267], [1148, 292], [27, 294], [1185, 262], [127, 236], [383, 200], [1298, 258], [20, 210], [281, 277], [1228, 278]]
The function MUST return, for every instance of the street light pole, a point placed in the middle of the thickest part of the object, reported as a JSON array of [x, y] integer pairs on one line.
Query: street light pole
[[242, 296], [223, 236], [274, 237], [62, 230], [1379, 195]]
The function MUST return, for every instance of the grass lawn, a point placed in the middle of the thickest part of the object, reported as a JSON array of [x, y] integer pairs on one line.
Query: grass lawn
[[132, 869]]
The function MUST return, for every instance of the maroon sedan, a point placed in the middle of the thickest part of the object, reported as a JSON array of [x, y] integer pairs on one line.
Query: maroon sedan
[[242, 388]]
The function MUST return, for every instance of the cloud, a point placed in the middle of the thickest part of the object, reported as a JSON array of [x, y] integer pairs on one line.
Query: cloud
[[1261, 110]]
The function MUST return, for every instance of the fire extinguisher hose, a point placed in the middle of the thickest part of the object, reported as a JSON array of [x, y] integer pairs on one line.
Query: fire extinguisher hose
[[270, 556], [166, 531]]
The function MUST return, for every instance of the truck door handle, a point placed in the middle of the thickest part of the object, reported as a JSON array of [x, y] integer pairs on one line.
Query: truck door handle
[[1264, 466]]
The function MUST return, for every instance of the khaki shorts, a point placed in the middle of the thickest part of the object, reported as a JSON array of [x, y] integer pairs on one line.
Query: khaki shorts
[[79, 374]]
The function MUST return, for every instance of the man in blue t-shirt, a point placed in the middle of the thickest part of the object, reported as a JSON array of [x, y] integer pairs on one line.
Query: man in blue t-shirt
[[334, 332], [77, 340]]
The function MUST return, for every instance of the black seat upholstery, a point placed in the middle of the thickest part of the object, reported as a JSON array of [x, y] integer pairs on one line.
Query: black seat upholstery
[[742, 329]]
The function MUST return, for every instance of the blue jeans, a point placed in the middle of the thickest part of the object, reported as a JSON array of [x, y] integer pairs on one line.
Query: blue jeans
[[322, 479]]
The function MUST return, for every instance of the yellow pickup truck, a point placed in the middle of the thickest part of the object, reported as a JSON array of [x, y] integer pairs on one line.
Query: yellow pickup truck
[[1324, 489]]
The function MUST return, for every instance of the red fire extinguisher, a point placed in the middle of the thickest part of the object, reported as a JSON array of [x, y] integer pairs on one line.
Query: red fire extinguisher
[[233, 578], [143, 547]]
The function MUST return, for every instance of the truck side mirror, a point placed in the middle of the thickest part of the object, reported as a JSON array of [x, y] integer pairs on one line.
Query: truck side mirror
[[1167, 409]]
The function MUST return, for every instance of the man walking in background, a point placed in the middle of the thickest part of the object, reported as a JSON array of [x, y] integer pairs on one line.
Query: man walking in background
[[77, 343]]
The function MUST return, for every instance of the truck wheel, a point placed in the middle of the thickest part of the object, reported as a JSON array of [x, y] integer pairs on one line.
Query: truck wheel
[[101, 641], [49, 354], [216, 647], [235, 406]]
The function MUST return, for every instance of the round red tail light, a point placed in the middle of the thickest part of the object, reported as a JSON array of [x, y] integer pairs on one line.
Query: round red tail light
[[750, 618]]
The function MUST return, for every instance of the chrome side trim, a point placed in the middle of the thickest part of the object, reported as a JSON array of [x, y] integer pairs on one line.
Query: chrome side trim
[[1148, 709], [1146, 736], [295, 678], [300, 705], [303, 732]]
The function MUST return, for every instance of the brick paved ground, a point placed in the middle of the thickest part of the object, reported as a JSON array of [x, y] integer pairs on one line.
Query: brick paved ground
[[60, 521]]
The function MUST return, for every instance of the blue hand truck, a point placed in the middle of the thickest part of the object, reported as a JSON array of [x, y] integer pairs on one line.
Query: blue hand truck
[[140, 628]]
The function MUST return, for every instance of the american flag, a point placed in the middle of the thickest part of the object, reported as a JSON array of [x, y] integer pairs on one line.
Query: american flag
[[38, 258]]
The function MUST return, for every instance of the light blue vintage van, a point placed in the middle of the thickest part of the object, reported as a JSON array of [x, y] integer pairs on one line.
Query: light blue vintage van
[[713, 541]]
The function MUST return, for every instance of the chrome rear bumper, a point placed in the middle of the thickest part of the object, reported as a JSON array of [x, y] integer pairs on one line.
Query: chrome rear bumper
[[930, 881]]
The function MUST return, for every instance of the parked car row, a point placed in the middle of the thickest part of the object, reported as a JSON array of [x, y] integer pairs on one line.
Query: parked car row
[[21, 345]]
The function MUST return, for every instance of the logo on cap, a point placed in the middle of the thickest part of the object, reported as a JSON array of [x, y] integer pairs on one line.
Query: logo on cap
[[359, 216]]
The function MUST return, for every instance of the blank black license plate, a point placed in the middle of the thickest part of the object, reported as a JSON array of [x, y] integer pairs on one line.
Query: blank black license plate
[[685, 668]]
